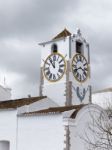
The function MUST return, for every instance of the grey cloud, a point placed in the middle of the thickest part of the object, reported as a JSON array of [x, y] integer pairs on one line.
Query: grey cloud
[[24, 61], [26, 17]]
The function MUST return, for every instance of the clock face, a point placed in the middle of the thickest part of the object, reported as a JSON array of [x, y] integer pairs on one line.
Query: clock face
[[54, 67], [80, 68]]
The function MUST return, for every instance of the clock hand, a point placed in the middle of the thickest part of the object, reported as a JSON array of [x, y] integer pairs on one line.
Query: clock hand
[[53, 64], [79, 68], [84, 72]]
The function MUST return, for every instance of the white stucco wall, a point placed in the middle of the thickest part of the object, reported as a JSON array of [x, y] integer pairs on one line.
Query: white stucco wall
[[63, 48], [44, 132], [5, 93], [84, 85], [80, 128], [8, 127], [103, 99], [56, 90]]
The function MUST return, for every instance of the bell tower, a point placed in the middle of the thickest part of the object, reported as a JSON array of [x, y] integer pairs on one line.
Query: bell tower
[[65, 69]]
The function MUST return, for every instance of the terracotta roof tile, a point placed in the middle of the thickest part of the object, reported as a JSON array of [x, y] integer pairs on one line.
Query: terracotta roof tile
[[57, 110], [64, 33], [19, 102], [103, 91]]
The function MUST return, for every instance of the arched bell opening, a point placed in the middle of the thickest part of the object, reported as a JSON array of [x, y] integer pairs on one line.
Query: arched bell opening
[[4, 145]]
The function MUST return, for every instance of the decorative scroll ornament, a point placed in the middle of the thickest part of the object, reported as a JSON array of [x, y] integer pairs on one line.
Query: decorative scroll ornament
[[79, 32], [81, 92]]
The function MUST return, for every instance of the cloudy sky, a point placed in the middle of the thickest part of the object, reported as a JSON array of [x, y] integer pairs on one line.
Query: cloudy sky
[[25, 23]]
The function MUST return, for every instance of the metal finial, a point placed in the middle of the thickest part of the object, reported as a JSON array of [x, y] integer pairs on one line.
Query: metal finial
[[4, 80], [78, 32]]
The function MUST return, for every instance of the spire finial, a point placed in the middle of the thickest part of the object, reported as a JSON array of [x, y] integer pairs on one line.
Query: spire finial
[[4, 81]]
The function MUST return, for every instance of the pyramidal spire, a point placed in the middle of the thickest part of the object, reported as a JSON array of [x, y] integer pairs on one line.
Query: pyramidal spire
[[63, 33]]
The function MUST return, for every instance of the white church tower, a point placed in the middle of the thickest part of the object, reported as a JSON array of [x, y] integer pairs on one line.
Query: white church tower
[[65, 69]]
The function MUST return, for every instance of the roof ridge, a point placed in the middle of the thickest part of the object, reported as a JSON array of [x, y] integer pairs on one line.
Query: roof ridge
[[103, 90], [19, 102]]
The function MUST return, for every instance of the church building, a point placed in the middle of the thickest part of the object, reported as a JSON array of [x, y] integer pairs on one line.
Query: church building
[[58, 118]]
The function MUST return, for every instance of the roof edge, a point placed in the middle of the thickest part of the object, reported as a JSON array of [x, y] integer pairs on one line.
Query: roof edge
[[54, 110]]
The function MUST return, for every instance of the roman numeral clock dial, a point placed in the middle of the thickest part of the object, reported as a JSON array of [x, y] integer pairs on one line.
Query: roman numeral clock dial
[[54, 67], [80, 68]]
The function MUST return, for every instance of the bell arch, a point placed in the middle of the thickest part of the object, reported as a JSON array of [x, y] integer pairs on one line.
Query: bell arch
[[4, 145]]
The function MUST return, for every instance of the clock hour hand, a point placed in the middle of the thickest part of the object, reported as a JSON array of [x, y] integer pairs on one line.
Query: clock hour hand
[[83, 69], [84, 72], [53, 64], [79, 68]]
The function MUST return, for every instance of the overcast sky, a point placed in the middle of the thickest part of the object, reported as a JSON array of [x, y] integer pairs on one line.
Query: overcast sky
[[25, 23]]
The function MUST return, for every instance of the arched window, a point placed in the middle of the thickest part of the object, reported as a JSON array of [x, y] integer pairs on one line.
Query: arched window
[[79, 47], [54, 48]]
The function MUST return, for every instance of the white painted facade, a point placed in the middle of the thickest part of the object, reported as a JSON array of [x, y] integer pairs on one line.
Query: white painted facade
[[52, 89], [103, 98], [5, 93], [45, 130], [8, 128], [41, 132], [85, 85], [48, 131], [81, 124]]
